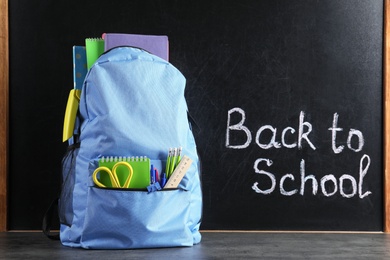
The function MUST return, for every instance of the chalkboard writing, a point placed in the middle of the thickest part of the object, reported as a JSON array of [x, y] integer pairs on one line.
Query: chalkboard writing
[[303, 132], [286, 96]]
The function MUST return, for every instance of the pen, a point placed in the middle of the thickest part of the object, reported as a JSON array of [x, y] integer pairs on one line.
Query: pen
[[173, 162], [156, 178], [168, 164], [178, 156], [152, 175]]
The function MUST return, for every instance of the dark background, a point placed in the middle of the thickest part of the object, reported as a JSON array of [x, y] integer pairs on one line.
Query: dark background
[[271, 58]]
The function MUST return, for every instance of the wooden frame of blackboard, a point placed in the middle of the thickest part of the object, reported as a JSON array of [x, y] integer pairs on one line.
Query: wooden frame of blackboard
[[4, 86], [4, 112]]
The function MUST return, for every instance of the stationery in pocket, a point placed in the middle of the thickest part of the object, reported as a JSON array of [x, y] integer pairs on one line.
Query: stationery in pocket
[[140, 166]]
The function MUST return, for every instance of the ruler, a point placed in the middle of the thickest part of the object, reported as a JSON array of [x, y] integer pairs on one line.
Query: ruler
[[178, 173]]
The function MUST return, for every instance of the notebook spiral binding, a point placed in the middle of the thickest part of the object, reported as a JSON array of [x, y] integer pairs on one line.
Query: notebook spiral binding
[[123, 159]]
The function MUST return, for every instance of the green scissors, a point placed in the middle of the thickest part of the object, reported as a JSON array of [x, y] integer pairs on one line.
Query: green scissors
[[113, 175]]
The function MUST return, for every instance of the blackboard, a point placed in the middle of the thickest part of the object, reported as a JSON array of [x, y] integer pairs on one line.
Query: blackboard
[[286, 96]]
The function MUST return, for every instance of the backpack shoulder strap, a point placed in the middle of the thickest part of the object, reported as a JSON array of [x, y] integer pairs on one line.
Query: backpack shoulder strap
[[52, 212]]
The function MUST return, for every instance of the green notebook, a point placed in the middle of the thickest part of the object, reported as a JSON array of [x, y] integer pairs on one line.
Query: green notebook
[[94, 48], [141, 171]]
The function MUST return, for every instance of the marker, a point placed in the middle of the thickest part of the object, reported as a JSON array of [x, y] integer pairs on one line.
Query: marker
[[163, 180]]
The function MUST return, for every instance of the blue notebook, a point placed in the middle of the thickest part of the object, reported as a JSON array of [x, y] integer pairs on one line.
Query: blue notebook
[[79, 66]]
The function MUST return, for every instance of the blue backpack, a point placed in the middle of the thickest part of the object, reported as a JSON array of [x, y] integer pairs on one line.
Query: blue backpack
[[132, 104]]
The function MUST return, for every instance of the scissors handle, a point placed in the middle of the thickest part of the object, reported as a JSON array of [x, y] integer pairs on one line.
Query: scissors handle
[[129, 176], [113, 180], [113, 175]]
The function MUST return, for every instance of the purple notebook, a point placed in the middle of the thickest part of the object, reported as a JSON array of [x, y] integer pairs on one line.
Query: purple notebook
[[155, 44]]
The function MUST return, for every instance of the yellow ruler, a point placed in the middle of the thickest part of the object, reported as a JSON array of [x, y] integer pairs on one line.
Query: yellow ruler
[[178, 173]]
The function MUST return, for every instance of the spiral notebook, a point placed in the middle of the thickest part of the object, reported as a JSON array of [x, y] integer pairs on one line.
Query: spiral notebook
[[94, 48], [141, 170]]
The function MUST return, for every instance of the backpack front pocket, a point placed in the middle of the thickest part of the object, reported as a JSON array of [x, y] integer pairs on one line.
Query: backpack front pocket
[[123, 218]]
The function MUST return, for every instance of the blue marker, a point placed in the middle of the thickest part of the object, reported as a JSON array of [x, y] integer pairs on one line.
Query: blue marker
[[163, 180]]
